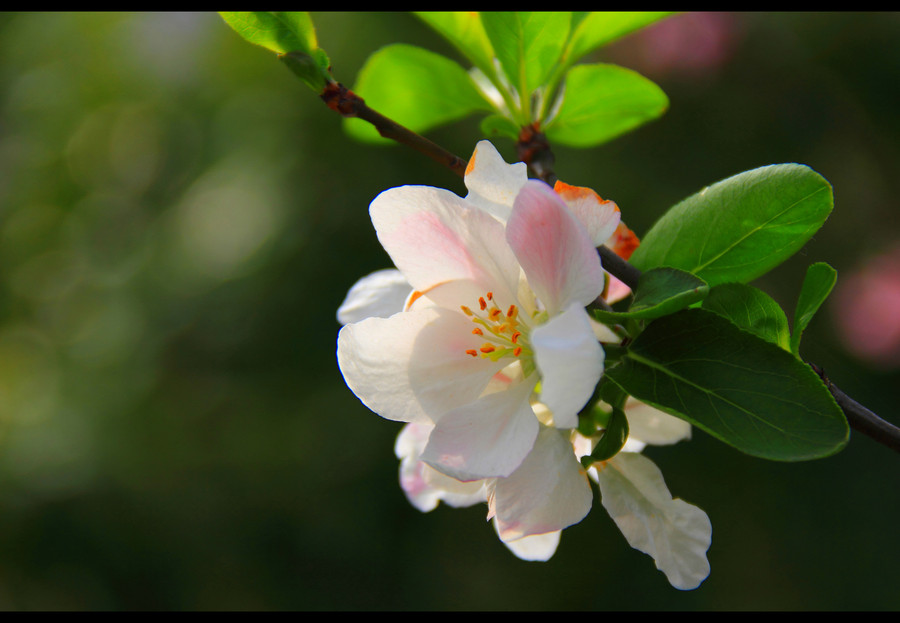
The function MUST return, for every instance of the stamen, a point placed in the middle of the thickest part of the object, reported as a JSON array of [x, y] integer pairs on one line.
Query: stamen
[[490, 296], [466, 310], [494, 313], [515, 337], [486, 348], [512, 311], [482, 303], [517, 351], [472, 352], [477, 331]]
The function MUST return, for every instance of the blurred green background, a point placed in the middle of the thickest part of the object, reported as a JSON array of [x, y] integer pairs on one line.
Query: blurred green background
[[180, 218]]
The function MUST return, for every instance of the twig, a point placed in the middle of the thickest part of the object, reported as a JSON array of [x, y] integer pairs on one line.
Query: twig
[[860, 418], [533, 149], [344, 101]]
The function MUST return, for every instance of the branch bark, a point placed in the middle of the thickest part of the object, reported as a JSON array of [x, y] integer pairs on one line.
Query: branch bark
[[347, 103]]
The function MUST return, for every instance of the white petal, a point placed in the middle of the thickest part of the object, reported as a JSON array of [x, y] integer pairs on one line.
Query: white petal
[[434, 236], [380, 294], [653, 426], [413, 365], [676, 534], [425, 487], [486, 438], [553, 248], [549, 491], [539, 547], [493, 184], [570, 361]]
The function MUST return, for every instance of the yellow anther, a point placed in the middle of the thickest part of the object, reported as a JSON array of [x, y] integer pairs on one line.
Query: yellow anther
[[466, 310]]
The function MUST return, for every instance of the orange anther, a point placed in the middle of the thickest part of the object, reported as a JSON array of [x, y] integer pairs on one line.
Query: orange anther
[[487, 348], [494, 313], [490, 296], [477, 331], [517, 351], [512, 311], [482, 303], [515, 337], [472, 352]]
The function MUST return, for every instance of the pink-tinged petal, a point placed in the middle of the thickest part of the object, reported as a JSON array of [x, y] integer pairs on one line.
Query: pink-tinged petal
[[599, 216], [434, 236], [570, 361], [549, 491], [539, 547], [493, 184], [486, 438], [616, 290], [425, 487], [653, 426], [558, 257], [379, 294], [413, 366], [674, 533]]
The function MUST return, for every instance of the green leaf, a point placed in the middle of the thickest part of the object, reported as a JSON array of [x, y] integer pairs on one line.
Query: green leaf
[[595, 29], [280, 32], [601, 102], [659, 292], [465, 31], [611, 442], [416, 88], [741, 389], [741, 227], [285, 32], [752, 310], [528, 46], [820, 279], [498, 125]]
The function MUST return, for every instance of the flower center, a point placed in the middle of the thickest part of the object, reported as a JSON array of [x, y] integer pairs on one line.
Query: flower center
[[505, 335]]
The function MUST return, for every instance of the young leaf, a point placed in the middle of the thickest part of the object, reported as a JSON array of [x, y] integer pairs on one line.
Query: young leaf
[[464, 30], [752, 310], [281, 32], [414, 87], [741, 227], [602, 101], [611, 442], [660, 291], [291, 35], [598, 28], [528, 45], [820, 279], [493, 125], [741, 389]]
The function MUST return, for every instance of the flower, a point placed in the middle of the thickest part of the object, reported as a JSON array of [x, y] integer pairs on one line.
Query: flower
[[498, 305], [490, 390]]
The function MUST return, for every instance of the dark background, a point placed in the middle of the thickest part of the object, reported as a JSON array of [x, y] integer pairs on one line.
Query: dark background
[[180, 218]]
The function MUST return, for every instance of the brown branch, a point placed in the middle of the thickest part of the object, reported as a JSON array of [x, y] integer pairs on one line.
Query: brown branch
[[347, 103], [533, 149], [860, 418]]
